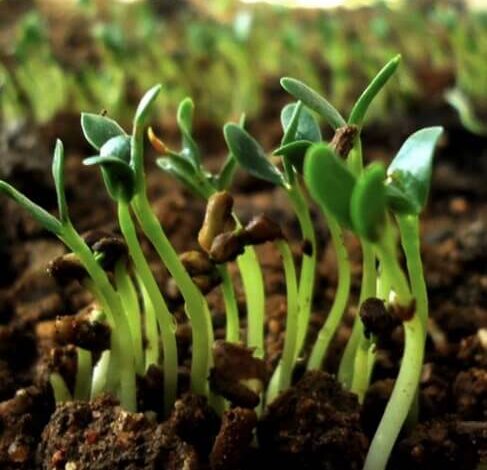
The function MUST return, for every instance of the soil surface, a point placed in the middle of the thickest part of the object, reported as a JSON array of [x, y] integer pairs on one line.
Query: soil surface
[[315, 424]]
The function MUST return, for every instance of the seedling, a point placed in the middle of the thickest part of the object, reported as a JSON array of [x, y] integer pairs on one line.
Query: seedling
[[373, 203]]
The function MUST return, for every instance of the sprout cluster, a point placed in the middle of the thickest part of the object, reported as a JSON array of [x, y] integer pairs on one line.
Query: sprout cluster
[[380, 205]]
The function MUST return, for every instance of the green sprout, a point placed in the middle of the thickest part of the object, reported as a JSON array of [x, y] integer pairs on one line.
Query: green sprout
[[380, 206]]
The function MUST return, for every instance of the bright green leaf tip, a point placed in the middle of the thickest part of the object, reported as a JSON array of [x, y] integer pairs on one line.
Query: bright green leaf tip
[[145, 104]]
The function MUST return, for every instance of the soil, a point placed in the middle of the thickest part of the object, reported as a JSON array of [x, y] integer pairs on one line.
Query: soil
[[315, 424]]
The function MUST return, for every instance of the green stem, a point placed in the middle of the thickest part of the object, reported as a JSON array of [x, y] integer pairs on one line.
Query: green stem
[[82, 386], [152, 348], [401, 399], [121, 331], [196, 306], [59, 388], [253, 284], [341, 297], [282, 377], [308, 265], [130, 302], [232, 330], [164, 317], [410, 239], [347, 368]]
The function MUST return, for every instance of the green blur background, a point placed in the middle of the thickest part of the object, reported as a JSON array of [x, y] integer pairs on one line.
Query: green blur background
[[65, 56]]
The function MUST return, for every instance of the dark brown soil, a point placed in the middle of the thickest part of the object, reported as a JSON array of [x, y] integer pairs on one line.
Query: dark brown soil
[[315, 424]]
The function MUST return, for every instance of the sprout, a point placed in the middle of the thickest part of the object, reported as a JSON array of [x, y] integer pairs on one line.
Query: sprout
[[378, 205]]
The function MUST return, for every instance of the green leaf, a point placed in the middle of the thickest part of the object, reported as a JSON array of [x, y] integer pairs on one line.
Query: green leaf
[[185, 123], [143, 109], [361, 106], [313, 101], [117, 147], [411, 169], [45, 219], [250, 155], [464, 108], [329, 181], [294, 152], [398, 201], [183, 171], [99, 129], [118, 176], [368, 203], [58, 176], [306, 127], [227, 173]]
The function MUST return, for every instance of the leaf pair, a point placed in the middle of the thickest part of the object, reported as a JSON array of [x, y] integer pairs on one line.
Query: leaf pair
[[361, 204], [357, 204], [113, 143], [300, 131]]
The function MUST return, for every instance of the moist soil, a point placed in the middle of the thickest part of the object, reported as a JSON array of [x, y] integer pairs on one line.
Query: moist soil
[[315, 424]]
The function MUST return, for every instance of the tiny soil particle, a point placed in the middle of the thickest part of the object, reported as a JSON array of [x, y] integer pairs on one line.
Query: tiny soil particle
[[314, 424]]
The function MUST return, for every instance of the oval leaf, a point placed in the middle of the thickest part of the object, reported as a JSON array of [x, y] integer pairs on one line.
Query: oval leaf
[[411, 169], [360, 108], [329, 181], [294, 152], [117, 147], [99, 129], [314, 101], [118, 176], [368, 203], [307, 128], [183, 171], [250, 155]]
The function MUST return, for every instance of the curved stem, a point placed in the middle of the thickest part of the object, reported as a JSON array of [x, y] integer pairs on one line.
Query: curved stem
[[82, 385], [347, 368], [232, 330], [282, 376], [253, 284], [196, 306], [341, 297], [121, 337], [401, 399], [161, 311], [308, 264], [130, 302]]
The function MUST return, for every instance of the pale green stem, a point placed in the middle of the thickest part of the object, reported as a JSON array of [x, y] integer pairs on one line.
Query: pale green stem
[[253, 284], [401, 399], [82, 386], [282, 376], [368, 289], [152, 347], [121, 330], [100, 373], [60, 389], [330, 326], [196, 306], [232, 330], [130, 302], [161, 311], [308, 265]]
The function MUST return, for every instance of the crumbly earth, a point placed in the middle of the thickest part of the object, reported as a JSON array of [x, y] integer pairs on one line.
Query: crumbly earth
[[453, 382]]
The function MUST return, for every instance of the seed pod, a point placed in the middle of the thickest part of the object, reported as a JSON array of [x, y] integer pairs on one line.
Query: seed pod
[[67, 268], [112, 246], [377, 320], [90, 335], [343, 140], [261, 229], [227, 246], [157, 144], [206, 283], [197, 263], [217, 217]]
